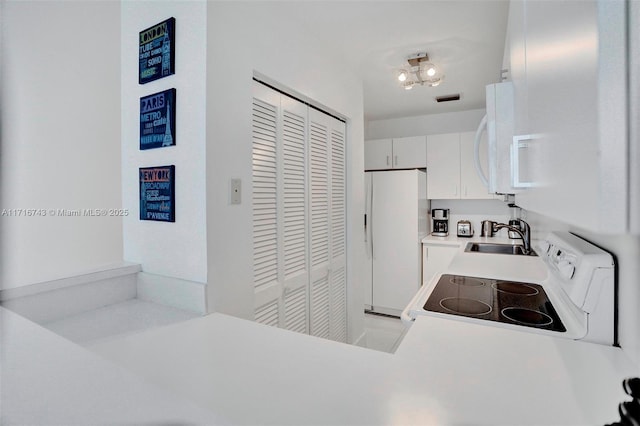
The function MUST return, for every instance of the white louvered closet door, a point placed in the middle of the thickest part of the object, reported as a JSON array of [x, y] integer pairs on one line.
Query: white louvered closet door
[[328, 209], [293, 219], [266, 265], [298, 216], [338, 248], [279, 210]]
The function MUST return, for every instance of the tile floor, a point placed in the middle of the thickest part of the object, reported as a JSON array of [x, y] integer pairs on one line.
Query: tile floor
[[383, 333], [131, 316]]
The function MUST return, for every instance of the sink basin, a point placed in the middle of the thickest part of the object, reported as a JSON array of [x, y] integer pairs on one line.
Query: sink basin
[[497, 249]]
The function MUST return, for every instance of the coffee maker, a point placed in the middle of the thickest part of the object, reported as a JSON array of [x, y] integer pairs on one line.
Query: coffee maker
[[440, 222]]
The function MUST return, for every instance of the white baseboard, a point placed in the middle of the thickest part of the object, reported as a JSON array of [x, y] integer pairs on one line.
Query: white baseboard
[[182, 294], [104, 273], [54, 300]]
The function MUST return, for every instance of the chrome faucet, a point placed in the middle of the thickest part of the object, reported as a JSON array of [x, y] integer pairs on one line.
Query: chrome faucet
[[524, 231]]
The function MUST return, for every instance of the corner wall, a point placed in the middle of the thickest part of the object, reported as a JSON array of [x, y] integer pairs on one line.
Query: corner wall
[[60, 114], [270, 38]]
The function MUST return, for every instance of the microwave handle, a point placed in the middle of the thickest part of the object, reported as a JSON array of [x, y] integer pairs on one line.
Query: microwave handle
[[519, 142], [476, 151]]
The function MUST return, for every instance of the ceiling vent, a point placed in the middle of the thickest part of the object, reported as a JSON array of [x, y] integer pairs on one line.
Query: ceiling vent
[[448, 98]]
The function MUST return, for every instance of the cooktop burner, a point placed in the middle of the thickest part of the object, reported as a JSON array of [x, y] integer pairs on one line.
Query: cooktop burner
[[465, 306], [462, 280], [527, 316], [510, 302], [515, 288]]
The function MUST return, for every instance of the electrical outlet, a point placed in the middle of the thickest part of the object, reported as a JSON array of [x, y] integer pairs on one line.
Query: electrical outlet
[[236, 191]]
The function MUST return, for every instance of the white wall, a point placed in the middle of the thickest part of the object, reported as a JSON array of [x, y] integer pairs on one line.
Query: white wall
[[433, 124], [475, 211], [60, 138], [269, 37], [179, 249], [626, 249]]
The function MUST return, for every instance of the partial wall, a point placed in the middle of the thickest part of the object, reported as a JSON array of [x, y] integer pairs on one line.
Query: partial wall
[[60, 162], [271, 38]]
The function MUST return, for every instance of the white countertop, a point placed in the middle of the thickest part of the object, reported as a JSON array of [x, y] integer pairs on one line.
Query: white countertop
[[517, 268], [453, 239], [47, 380], [220, 369], [444, 372]]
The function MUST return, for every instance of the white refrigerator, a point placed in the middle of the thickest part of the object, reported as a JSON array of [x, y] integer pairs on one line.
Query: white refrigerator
[[395, 224]]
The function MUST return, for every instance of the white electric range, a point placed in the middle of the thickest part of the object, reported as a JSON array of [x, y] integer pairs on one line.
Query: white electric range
[[568, 291]]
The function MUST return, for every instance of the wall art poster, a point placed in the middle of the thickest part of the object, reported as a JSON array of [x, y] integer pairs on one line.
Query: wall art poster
[[158, 120], [157, 51], [157, 193]]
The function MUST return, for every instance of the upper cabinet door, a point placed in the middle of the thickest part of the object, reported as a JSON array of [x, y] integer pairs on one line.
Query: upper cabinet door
[[571, 108], [378, 154], [443, 166], [410, 152], [517, 63], [471, 187]]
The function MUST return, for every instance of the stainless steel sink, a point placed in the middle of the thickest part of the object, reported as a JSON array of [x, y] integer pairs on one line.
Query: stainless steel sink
[[497, 249]]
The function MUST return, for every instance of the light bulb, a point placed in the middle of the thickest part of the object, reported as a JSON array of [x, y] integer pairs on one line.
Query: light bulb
[[408, 85], [402, 76], [435, 82], [428, 70]]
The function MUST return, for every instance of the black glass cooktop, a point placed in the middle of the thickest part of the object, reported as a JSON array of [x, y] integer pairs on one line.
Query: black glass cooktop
[[494, 300]]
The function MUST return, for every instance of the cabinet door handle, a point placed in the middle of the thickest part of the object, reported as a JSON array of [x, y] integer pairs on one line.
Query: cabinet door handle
[[395, 159], [387, 160]]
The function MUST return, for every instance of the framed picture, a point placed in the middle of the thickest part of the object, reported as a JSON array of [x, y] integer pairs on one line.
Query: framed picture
[[157, 193], [158, 120], [157, 51]]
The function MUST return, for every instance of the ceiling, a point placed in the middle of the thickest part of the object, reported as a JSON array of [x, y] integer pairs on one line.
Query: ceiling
[[463, 37]]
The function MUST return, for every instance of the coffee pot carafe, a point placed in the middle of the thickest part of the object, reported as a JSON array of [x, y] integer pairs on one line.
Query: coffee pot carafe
[[440, 222]]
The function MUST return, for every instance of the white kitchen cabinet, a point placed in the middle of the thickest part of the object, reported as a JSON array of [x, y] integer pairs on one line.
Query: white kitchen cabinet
[[436, 258], [397, 153], [378, 154], [410, 152], [451, 173], [568, 65], [517, 63], [443, 166], [471, 187]]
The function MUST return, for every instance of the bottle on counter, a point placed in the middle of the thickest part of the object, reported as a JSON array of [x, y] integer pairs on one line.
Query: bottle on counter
[[514, 221]]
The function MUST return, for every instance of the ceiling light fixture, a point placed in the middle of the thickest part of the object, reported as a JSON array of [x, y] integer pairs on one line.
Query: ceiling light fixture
[[421, 72]]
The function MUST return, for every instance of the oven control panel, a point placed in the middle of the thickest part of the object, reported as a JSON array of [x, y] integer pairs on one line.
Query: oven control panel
[[560, 258], [578, 266]]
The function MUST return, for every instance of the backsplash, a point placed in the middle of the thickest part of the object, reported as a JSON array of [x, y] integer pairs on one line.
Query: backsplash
[[474, 211]]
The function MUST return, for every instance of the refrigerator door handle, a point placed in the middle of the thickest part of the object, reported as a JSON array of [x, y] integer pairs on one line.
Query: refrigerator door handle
[[368, 218]]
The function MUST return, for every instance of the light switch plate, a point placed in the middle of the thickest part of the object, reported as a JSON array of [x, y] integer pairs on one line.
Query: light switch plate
[[236, 191]]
